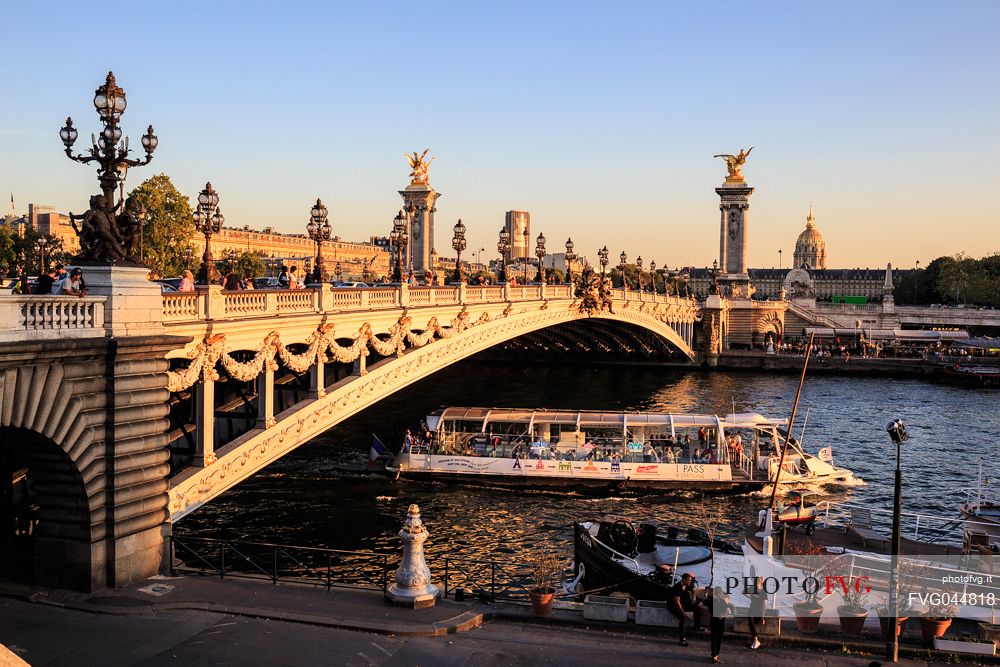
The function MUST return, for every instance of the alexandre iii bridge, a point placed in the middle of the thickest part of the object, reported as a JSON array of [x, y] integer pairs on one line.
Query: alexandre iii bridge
[[129, 409]]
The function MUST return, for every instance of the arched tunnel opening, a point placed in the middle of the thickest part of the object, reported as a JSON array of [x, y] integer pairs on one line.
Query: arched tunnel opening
[[44, 509]]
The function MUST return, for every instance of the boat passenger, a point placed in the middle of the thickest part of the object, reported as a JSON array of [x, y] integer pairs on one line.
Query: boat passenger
[[647, 454], [407, 441]]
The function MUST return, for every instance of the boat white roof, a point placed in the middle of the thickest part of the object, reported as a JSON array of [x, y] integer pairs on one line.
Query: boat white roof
[[601, 418]]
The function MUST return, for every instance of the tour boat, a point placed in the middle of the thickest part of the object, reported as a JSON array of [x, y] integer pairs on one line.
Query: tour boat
[[981, 509], [614, 555], [610, 451]]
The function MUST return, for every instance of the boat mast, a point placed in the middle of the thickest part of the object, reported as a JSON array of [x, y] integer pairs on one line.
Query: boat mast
[[791, 421]]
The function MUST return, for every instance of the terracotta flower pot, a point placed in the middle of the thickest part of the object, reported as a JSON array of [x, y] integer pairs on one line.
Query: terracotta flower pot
[[933, 627], [852, 620], [884, 624], [807, 616], [542, 601]]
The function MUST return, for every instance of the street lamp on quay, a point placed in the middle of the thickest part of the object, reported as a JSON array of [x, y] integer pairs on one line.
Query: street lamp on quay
[[111, 157], [897, 433], [503, 247], [540, 254], [621, 267], [652, 276], [570, 258], [319, 231], [458, 243], [399, 238], [40, 245], [638, 274], [208, 220], [603, 255]]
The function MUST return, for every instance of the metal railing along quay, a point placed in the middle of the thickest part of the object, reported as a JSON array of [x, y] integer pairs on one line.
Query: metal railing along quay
[[480, 579]]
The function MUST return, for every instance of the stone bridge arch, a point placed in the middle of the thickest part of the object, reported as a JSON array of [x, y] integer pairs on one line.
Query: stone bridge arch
[[434, 348]]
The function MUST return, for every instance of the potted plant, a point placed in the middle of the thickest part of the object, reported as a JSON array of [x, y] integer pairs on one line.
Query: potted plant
[[884, 611], [853, 612], [935, 621], [545, 569], [808, 611]]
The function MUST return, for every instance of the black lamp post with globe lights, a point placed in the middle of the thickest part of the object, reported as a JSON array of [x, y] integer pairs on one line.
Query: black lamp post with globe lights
[[602, 255], [527, 247], [338, 271], [503, 247], [622, 259], [540, 254], [638, 273], [41, 244], [458, 243], [319, 231], [570, 257], [652, 277], [399, 238], [208, 220], [110, 153]]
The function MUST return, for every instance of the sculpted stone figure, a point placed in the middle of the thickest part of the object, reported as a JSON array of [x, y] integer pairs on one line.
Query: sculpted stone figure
[[419, 166], [99, 237], [734, 163], [129, 224]]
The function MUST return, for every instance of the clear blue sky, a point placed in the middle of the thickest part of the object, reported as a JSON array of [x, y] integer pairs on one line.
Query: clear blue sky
[[599, 118]]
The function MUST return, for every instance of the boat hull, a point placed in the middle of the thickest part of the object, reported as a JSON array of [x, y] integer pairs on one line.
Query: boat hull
[[561, 474]]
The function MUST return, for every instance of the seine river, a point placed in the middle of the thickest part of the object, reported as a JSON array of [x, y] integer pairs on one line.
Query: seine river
[[304, 500]]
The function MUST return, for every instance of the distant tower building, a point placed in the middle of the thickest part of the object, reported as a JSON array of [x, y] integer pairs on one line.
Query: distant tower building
[[810, 248], [518, 225]]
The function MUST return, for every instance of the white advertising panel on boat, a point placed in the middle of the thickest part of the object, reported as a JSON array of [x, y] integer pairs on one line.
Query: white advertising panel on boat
[[610, 470]]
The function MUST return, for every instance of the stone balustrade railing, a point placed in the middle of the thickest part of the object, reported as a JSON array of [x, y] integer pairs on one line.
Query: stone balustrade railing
[[46, 317], [211, 302]]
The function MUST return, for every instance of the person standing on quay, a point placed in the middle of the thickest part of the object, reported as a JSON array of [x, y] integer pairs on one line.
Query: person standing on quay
[[755, 614], [721, 608]]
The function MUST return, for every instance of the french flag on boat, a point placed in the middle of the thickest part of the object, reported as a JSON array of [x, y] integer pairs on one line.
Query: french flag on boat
[[378, 449], [825, 454]]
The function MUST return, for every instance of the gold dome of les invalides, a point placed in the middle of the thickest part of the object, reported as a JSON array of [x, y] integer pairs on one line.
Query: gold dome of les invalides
[[810, 248]]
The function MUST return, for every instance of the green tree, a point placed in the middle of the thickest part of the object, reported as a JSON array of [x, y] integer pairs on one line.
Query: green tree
[[246, 265], [28, 257], [8, 254], [166, 235]]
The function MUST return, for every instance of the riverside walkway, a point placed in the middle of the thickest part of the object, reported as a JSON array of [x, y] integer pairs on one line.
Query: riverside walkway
[[200, 620]]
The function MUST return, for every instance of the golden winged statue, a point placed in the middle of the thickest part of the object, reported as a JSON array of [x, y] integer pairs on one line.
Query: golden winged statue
[[419, 167], [734, 163]]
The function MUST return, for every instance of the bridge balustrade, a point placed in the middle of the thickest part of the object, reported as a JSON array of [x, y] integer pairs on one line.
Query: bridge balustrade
[[181, 306], [57, 316]]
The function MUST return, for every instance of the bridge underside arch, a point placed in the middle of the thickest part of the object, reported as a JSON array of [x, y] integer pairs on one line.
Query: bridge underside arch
[[601, 340]]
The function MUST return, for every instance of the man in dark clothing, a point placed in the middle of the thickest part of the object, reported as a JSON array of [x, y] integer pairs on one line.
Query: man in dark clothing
[[283, 277], [44, 284], [681, 599]]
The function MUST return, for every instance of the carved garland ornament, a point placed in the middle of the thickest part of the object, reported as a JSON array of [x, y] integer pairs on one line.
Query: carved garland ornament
[[322, 345]]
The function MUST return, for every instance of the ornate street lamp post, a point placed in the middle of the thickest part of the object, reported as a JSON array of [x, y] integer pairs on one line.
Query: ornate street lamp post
[[41, 244], [208, 220], [458, 244], [570, 258], [603, 255], [188, 252], [113, 164], [714, 288], [652, 277], [503, 247], [337, 270], [540, 254], [897, 433], [638, 274], [399, 238], [319, 231], [621, 268], [364, 270]]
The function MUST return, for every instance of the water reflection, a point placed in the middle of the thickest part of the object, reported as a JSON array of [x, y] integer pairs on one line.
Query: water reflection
[[304, 499]]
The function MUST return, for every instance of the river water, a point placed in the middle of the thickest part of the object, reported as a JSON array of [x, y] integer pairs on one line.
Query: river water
[[304, 499]]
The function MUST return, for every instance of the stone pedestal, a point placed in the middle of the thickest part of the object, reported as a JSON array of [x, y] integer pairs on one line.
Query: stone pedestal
[[734, 216], [413, 587], [419, 200], [134, 304]]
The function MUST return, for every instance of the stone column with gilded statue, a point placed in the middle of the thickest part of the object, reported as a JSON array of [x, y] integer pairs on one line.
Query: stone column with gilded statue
[[734, 206], [419, 205]]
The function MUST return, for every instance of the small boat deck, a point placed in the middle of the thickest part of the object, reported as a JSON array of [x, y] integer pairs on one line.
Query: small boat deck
[[796, 540]]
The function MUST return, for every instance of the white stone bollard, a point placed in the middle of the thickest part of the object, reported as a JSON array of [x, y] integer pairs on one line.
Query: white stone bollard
[[413, 587]]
